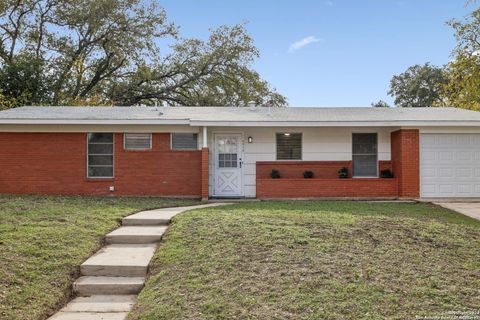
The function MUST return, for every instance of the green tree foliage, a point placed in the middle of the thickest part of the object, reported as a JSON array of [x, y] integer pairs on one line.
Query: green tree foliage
[[380, 104], [23, 80], [463, 87], [71, 52], [7, 102], [418, 86]]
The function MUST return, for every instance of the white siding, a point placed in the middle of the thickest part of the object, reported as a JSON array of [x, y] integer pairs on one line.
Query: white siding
[[318, 144]]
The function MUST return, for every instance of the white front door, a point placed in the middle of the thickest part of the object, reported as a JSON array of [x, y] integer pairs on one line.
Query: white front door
[[228, 165], [450, 165]]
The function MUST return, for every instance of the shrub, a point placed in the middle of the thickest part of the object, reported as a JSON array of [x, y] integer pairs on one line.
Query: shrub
[[387, 173], [308, 174], [343, 173], [275, 174]]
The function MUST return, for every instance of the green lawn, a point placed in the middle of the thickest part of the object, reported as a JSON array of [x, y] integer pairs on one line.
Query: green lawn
[[43, 240], [314, 260]]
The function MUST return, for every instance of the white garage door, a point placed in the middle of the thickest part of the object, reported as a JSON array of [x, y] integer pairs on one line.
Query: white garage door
[[450, 165]]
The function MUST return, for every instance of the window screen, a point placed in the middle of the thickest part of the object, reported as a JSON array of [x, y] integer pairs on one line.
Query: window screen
[[364, 154], [184, 141], [137, 141], [100, 155], [289, 146]]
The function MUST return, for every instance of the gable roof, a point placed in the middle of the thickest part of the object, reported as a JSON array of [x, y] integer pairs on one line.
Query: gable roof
[[243, 116]]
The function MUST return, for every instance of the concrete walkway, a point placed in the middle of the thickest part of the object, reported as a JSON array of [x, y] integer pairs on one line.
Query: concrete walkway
[[111, 278], [471, 209]]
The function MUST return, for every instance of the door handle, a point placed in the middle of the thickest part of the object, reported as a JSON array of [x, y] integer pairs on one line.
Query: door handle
[[240, 162]]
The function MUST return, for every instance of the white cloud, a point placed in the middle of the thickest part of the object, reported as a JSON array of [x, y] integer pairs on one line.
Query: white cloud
[[303, 43]]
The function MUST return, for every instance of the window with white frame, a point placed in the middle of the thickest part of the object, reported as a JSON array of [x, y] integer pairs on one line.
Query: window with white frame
[[364, 154], [137, 141], [184, 141], [289, 146], [100, 155]]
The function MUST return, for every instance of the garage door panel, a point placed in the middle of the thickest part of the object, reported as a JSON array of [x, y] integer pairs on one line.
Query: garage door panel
[[429, 172], [446, 188], [428, 139], [450, 165], [464, 140], [428, 155], [444, 140], [464, 156], [464, 173], [446, 172], [445, 155], [464, 189]]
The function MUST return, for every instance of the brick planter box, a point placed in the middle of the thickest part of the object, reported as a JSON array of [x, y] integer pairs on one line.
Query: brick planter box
[[327, 188]]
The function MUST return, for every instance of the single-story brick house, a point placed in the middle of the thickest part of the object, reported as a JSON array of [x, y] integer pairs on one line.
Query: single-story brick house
[[232, 151]]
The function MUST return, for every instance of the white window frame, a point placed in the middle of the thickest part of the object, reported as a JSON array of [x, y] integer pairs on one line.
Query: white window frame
[[376, 160], [139, 149], [171, 141], [113, 156], [301, 146]]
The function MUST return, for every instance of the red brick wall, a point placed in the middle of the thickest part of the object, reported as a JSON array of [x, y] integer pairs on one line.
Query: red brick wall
[[325, 184], [331, 188], [384, 165], [405, 162], [55, 163]]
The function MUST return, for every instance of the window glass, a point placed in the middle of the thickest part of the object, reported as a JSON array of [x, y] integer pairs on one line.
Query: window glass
[[364, 154], [184, 141], [227, 160], [100, 155], [100, 137], [289, 146], [137, 141]]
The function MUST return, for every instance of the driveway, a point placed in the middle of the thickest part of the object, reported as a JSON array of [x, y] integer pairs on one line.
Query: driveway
[[471, 209]]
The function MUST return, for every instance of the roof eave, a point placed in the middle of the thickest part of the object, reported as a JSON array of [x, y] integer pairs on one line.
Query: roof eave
[[199, 123], [95, 122], [402, 123]]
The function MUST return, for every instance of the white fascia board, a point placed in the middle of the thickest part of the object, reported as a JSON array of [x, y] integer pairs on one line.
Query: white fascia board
[[91, 122], [333, 123]]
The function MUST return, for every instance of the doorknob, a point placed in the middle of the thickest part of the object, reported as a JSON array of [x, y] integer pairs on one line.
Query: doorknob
[[240, 162]]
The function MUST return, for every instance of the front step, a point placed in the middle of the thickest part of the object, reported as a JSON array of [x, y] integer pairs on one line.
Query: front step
[[159, 216], [120, 260], [136, 234], [149, 218], [101, 303], [86, 286], [89, 315]]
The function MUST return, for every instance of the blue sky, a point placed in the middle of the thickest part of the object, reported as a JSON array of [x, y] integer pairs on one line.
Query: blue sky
[[331, 53]]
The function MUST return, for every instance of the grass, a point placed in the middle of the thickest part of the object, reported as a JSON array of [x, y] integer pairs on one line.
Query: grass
[[314, 260], [43, 240]]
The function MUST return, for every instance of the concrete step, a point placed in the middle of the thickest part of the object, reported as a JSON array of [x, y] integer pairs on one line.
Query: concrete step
[[89, 316], [120, 260], [101, 303], [149, 218], [136, 234], [160, 216], [87, 285]]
